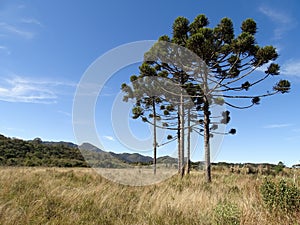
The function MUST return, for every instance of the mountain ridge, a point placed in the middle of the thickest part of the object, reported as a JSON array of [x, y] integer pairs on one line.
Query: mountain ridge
[[18, 152], [36, 152]]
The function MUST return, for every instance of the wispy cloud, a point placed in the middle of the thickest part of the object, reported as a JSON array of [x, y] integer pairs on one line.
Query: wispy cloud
[[110, 138], [4, 49], [274, 126], [31, 21], [12, 129], [291, 68], [274, 15], [14, 30], [16, 21], [284, 22], [65, 113], [20, 89]]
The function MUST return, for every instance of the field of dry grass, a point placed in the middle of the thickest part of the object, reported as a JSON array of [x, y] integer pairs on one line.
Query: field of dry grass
[[81, 196], [137, 176]]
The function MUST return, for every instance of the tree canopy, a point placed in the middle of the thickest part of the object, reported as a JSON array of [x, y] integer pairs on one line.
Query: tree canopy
[[210, 66]]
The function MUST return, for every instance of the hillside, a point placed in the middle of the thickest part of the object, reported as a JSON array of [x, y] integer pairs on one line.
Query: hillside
[[17, 152]]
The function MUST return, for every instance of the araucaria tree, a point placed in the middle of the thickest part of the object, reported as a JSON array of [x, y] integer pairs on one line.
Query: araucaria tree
[[231, 67], [150, 105]]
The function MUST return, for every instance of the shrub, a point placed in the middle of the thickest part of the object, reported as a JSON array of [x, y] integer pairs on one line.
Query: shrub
[[280, 196], [279, 167], [226, 213]]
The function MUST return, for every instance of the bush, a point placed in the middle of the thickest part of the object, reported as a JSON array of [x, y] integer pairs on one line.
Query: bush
[[279, 167], [280, 196], [226, 213]]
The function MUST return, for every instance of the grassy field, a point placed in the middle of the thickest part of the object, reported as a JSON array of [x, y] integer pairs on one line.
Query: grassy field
[[137, 176], [81, 196]]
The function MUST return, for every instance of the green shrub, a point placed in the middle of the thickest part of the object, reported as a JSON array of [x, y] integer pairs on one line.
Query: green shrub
[[268, 192], [226, 213], [280, 196], [279, 167]]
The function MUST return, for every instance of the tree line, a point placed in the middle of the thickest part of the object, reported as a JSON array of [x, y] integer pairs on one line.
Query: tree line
[[17, 152]]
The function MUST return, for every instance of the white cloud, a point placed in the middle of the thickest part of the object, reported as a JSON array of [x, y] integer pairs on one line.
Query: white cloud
[[31, 21], [4, 49], [284, 22], [276, 16], [291, 68], [20, 89], [5, 27], [110, 138], [288, 68], [272, 126], [65, 113], [16, 20], [12, 129]]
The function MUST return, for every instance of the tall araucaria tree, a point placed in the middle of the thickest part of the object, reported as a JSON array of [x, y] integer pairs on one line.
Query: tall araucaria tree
[[231, 61], [232, 67]]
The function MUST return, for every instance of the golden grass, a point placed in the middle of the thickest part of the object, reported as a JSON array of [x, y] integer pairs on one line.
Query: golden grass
[[81, 196], [137, 176]]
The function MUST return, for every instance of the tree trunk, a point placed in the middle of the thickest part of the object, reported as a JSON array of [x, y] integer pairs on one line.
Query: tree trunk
[[154, 136], [206, 113], [188, 164], [182, 132], [206, 141], [178, 142]]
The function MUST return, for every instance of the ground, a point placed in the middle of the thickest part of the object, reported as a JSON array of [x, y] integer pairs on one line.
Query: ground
[[82, 196]]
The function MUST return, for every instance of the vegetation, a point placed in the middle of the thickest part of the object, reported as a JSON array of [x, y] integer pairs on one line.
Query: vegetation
[[203, 63], [227, 213], [16, 152], [281, 196], [81, 196]]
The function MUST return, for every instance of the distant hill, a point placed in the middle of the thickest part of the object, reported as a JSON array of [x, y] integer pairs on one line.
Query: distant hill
[[132, 158], [17, 152], [60, 143], [114, 157], [89, 147], [166, 160]]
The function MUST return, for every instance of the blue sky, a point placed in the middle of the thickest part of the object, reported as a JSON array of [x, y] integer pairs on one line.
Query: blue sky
[[46, 46]]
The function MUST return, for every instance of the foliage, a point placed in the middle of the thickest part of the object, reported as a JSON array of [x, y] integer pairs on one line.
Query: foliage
[[227, 213], [280, 196], [279, 167], [16, 152], [228, 59]]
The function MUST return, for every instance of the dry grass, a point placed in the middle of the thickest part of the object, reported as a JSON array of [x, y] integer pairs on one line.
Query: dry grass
[[137, 176], [81, 196]]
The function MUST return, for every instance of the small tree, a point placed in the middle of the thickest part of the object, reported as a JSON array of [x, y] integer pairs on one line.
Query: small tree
[[279, 167], [150, 105]]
